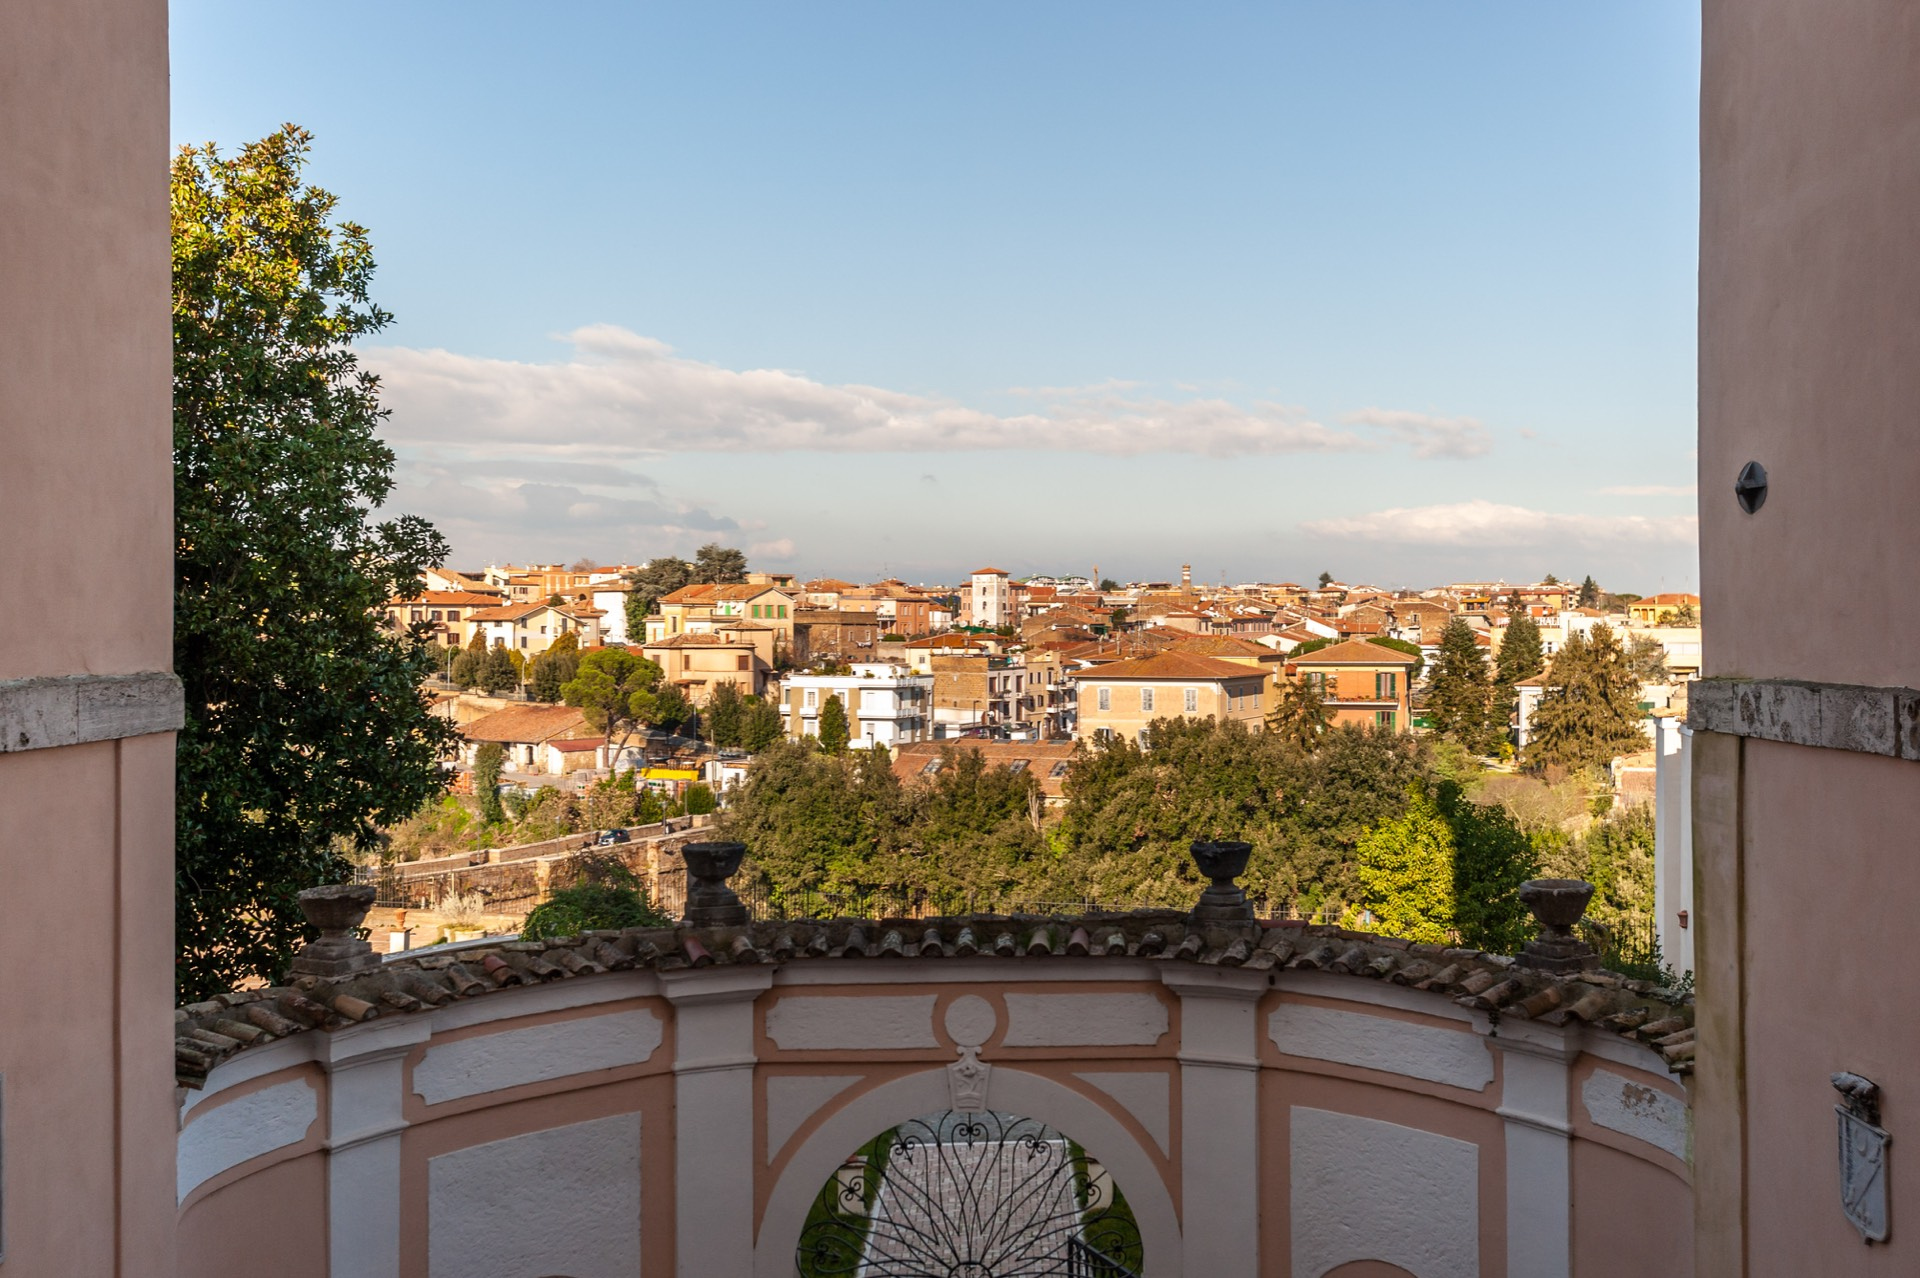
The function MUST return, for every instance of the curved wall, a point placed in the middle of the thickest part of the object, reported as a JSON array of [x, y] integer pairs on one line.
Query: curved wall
[[681, 1122]]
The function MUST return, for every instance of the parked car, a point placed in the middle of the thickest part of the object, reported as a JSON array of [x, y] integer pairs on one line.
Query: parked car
[[606, 839]]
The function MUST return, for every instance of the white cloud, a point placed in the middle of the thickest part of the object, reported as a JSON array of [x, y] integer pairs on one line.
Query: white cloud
[[1483, 524], [622, 396], [1651, 490], [780, 549], [1428, 435]]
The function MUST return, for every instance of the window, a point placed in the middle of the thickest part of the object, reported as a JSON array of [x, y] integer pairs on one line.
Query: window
[[740, 663], [1383, 718], [813, 698], [1318, 682], [1386, 685], [783, 612], [1193, 701], [1105, 698], [756, 610], [1146, 700]]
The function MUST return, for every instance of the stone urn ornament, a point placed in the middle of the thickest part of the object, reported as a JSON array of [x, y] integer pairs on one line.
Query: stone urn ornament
[[336, 909], [1557, 905], [710, 902], [1224, 901]]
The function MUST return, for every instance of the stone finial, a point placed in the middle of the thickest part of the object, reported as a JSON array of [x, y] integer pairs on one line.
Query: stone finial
[[336, 909], [1557, 905], [1223, 901], [710, 902]]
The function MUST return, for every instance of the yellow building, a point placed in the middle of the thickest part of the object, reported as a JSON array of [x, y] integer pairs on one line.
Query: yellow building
[[1123, 698], [1362, 682]]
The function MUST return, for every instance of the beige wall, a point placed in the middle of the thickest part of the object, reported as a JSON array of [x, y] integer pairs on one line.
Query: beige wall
[[86, 830], [1126, 719]]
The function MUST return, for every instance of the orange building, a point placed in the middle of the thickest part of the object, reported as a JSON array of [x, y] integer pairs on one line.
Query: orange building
[[1362, 682]]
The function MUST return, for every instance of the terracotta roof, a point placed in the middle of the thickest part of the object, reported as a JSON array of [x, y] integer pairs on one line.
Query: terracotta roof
[[697, 641], [1224, 647], [1171, 665], [447, 598], [1666, 600], [1045, 761], [708, 592], [577, 745], [532, 723], [507, 612], [1355, 652], [209, 1033], [983, 572]]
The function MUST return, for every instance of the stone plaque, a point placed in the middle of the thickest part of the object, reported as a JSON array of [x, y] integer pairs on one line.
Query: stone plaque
[[1863, 1174]]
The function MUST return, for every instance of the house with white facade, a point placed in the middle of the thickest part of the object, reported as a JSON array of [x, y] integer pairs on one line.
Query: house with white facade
[[886, 704]]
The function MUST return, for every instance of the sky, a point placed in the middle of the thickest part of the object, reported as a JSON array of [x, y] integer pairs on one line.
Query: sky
[[1399, 291]]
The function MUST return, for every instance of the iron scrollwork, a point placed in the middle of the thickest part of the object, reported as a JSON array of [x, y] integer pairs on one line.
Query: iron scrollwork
[[970, 1195]]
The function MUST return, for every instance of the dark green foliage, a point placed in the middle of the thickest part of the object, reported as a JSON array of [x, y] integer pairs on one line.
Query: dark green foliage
[[1492, 857], [615, 692], [498, 673], [305, 726], [486, 781], [1589, 596], [699, 800], [1591, 711], [726, 717], [974, 828], [608, 895], [1299, 715], [554, 668], [1618, 852], [658, 577], [467, 670], [1460, 694], [833, 725], [818, 822], [1310, 645], [1685, 615], [669, 710], [1326, 579], [1107, 584], [760, 725], [720, 565], [1520, 655]]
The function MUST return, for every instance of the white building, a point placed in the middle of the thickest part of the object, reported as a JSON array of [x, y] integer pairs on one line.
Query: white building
[[1673, 840], [989, 599], [885, 704]]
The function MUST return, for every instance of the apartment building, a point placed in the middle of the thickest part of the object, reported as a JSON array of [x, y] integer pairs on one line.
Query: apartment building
[[1361, 682], [449, 612], [697, 664], [988, 600], [975, 694], [885, 704], [700, 609], [1123, 698], [531, 628]]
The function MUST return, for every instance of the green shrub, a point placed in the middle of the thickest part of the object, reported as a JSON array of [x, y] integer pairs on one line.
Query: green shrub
[[608, 895]]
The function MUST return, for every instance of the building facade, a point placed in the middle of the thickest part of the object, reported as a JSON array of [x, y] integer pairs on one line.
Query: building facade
[[1123, 698], [885, 705], [1361, 683]]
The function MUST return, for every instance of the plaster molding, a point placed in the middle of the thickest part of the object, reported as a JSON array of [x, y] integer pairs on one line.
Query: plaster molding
[[241, 1130], [66, 710], [537, 1054], [1828, 716], [1425, 1218], [1455, 1057], [716, 985], [1214, 982], [838, 1022], [1085, 1020]]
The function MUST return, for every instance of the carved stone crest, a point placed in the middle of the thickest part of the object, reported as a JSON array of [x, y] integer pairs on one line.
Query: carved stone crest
[[967, 1079], [1863, 1156]]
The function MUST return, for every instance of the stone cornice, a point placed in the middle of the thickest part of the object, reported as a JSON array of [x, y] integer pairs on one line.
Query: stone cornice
[[1829, 716], [66, 710]]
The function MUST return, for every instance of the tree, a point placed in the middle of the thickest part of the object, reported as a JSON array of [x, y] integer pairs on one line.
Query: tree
[[554, 668], [1618, 855], [467, 669], [661, 576], [305, 724], [726, 716], [1549, 580], [615, 692], [1520, 657], [500, 673], [667, 709], [833, 725], [1647, 659], [1107, 584], [1299, 714], [1685, 615], [699, 799], [1589, 596], [1460, 694], [1590, 711], [1407, 873], [1326, 579], [1492, 857], [721, 565], [487, 761], [761, 725]]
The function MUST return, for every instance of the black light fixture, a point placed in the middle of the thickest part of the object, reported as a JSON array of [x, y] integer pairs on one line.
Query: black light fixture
[[1751, 487]]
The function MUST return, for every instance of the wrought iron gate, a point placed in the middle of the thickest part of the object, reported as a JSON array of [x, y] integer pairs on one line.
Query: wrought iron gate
[[959, 1195]]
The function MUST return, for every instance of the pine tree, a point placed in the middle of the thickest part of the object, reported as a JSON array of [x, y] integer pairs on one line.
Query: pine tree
[[761, 725], [1460, 694], [1589, 596], [1299, 714], [1520, 659], [1590, 712], [833, 726]]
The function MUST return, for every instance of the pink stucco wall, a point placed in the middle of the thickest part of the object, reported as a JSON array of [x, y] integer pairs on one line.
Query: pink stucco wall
[[86, 831], [1810, 337]]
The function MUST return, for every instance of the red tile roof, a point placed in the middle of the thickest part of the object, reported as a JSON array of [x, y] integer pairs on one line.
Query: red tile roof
[[1172, 665], [1356, 652]]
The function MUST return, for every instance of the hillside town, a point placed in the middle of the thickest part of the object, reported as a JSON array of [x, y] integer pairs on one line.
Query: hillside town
[[995, 659]]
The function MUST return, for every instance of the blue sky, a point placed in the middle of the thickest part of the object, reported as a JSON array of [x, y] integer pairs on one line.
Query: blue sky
[[1403, 291]]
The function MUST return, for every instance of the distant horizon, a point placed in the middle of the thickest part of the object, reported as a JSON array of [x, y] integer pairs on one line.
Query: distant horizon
[[1390, 290]]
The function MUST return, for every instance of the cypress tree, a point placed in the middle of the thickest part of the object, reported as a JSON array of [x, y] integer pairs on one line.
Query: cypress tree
[[1460, 694], [833, 726]]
